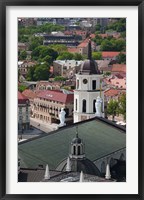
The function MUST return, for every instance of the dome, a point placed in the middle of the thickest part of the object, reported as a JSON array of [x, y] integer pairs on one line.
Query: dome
[[76, 140], [78, 165], [89, 67]]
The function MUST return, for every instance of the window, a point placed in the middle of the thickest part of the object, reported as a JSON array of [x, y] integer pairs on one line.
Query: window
[[78, 150], [76, 104], [94, 109], [84, 105], [74, 150], [94, 84], [77, 84]]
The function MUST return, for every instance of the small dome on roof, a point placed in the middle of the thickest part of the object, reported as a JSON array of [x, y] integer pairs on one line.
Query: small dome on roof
[[76, 140]]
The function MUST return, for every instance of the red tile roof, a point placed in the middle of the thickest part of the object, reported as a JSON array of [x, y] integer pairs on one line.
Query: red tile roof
[[113, 92], [29, 94], [84, 43], [103, 35], [119, 68], [58, 96], [92, 36], [73, 50], [110, 54], [22, 99]]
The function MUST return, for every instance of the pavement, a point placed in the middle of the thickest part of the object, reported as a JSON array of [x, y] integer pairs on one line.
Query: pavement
[[43, 126], [37, 128]]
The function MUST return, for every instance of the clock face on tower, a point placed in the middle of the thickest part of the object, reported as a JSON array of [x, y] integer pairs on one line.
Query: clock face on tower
[[85, 81]]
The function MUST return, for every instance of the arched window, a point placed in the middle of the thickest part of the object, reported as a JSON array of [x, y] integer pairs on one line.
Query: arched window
[[76, 104], [74, 150], [94, 109], [77, 84], [78, 150], [84, 105]]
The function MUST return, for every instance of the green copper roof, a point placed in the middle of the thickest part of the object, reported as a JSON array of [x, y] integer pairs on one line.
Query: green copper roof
[[100, 139]]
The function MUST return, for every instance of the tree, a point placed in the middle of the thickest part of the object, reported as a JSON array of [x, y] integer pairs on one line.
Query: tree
[[122, 105], [35, 42], [30, 74], [41, 72], [97, 55], [59, 78], [21, 88], [77, 56], [112, 108], [121, 58], [22, 55], [60, 48], [65, 56], [41, 52]]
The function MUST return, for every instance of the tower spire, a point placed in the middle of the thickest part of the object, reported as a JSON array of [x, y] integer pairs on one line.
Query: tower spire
[[76, 131], [89, 49]]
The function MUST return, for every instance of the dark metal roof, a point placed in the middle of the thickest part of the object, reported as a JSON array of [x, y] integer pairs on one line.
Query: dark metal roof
[[78, 165], [101, 137]]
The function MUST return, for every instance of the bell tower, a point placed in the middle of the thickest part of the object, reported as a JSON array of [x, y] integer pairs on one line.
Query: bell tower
[[88, 88]]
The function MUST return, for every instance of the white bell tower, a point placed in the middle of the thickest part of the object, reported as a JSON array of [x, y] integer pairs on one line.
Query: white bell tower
[[88, 88]]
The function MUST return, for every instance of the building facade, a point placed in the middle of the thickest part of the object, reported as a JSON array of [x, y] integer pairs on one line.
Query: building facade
[[23, 112], [48, 104]]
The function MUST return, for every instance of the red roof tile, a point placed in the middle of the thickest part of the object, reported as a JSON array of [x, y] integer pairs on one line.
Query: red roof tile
[[22, 99], [73, 50], [110, 54], [119, 68], [113, 92], [29, 94], [58, 96]]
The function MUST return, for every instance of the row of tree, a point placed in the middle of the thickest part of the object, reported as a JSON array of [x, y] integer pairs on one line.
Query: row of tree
[[116, 107], [24, 33], [110, 43]]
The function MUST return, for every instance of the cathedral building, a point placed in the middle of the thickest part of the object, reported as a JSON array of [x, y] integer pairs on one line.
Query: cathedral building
[[88, 88]]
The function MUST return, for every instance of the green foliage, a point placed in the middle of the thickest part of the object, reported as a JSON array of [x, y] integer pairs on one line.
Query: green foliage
[[65, 56], [60, 48], [41, 53], [98, 27], [119, 26], [107, 73], [59, 78], [38, 72], [21, 88], [35, 42], [113, 108], [98, 39], [77, 56], [25, 32], [121, 58], [41, 72], [113, 45], [22, 55], [30, 74], [122, 105], [97, 55]]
